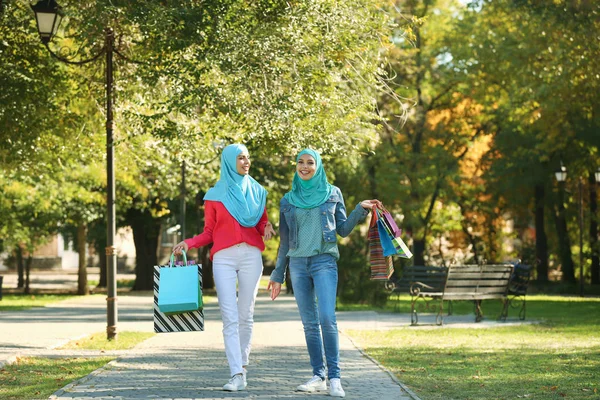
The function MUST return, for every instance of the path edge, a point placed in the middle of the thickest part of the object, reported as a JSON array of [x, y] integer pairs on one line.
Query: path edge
[[384, 369]]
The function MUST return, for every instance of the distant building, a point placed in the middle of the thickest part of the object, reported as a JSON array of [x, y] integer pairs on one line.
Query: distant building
[[58, 255]]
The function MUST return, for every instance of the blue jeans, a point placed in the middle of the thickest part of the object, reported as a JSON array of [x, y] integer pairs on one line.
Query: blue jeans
[[315, 278]]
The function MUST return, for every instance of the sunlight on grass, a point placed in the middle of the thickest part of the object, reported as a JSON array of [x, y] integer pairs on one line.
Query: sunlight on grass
[[557, 358], [37, 378], [98, 341], [18, 302]]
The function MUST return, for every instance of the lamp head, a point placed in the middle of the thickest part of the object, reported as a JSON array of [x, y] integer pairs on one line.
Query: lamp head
[[561, 175], [48, 15]]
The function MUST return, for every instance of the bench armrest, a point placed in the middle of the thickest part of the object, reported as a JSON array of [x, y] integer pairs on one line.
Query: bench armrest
[[416, 288]]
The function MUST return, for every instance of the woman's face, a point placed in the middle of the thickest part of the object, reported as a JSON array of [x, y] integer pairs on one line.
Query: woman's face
[[306, 167], [243, 163]]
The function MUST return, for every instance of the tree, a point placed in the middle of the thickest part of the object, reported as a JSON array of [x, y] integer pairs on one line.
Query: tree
[[539, 77], [422, 144]]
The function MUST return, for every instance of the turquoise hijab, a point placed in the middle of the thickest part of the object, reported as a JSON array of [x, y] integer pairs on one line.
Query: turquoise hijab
[[313, 192], [241, 195]]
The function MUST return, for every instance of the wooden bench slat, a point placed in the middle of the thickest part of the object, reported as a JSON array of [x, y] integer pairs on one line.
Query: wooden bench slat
[[471, 296]]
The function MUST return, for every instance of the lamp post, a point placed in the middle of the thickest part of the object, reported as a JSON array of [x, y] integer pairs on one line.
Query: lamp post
[[561, 176], [48, 15]]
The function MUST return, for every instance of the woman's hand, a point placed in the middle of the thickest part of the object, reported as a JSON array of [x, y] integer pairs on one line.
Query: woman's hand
[[369, 204], [269, 231], [275, 288], [180, 246]]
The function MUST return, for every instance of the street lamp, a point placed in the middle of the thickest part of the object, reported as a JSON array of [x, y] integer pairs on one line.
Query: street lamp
[[48, 15], [561, 176]]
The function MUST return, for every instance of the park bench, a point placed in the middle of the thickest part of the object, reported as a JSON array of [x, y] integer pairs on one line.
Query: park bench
[[419, 281], [517, 291], [429, 287]]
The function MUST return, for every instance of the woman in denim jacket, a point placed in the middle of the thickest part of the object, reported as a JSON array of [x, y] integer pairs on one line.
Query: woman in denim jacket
[[311, 215]]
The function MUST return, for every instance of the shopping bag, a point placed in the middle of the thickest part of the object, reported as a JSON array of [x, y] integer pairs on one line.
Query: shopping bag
[[381, 266], [183, 321], [386, 241], [388, 221], [179, 290], [401, 248], [395, 245]]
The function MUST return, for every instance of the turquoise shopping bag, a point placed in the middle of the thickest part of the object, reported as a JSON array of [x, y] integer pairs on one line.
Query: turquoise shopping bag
[[179, 288], [386, 241]]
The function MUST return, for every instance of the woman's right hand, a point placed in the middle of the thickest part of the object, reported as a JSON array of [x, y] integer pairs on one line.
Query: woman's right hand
[[180, 246], [275, 288]]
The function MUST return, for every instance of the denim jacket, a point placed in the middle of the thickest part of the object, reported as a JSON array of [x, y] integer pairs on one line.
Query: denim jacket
[[333, 220]]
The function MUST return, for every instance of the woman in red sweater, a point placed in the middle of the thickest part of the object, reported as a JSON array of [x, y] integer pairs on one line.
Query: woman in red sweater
[[235, 223]]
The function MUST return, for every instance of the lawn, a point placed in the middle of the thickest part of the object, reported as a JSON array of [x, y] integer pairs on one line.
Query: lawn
[[557, 358], [36, 378], [19, 302]]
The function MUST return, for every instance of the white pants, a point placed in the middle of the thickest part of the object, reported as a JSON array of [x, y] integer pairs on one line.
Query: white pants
[[243, 262]]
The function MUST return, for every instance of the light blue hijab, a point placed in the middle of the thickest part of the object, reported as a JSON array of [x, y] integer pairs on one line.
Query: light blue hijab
[[241, 195], [313, 192]]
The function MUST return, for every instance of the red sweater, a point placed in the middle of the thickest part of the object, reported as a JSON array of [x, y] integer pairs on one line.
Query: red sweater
[[221, 229]]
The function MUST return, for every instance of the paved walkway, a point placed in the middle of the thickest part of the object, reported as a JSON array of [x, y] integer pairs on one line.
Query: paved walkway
[[191, 365]]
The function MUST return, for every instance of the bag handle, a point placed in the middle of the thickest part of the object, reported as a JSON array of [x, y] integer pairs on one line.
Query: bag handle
[[374, 218], [172, 262]]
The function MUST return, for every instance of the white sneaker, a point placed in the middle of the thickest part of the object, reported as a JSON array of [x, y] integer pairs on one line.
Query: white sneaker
[[314, 384], [244, 373], [235, 383], [335, 388]]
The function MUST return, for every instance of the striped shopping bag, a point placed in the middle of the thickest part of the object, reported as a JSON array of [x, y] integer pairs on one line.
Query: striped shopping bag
[[381, 266], [183, 322]]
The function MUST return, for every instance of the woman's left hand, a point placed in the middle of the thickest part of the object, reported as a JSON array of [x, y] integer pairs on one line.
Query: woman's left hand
[[275, 288], [369, 204], [269, 231]]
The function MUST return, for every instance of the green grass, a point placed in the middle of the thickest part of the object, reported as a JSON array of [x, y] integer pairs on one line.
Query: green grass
[[559, 357], [19, 302], [38, 378], [121, 283], [98, 341]]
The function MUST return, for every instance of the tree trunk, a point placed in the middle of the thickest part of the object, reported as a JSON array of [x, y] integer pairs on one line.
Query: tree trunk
[[541, 240], [82, 281], [20, 267], [146, 234], [564, 242], [208, 281], [27, 271], [595, 269], [101, 250], [100, 247], [419, 251]]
